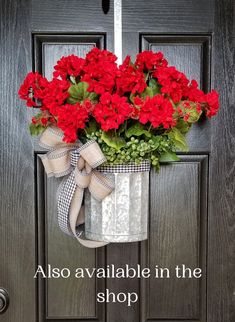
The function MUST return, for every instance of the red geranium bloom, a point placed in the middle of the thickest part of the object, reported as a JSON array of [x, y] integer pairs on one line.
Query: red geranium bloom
[[147, 60], [158, 111], [33, 87], [129, 79], [211, 103], [116, 88], [56, 95], [193, 93], [71, 65], [173, 82], [70, 119], [111, 111], [100, 71]]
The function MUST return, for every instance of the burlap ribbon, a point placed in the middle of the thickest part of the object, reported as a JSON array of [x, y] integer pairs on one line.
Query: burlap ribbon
[[79, 162]]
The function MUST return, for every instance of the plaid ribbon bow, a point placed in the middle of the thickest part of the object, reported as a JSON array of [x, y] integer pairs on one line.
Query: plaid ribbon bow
[[80, 163]]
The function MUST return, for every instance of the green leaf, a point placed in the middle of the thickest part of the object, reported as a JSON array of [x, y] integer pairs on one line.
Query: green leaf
[[154, 86], [179, 139], [112, 140], [132, 97], [72, 100], [36, 129], [93, 96], [136, 130], [156, 140], [147, 92], [183, 126], [168, 157], [78, 92], [92, 127], [193, 116], [121, 129]]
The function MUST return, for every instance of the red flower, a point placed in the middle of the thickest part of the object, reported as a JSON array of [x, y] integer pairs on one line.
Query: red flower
[[34, 86], [44, 121], [193, 93], [70, 119], [129, 79], [147, 60], [116, 87], [56, 95], [88, 106], [34, 120], [211, 101], [71, 65], [173, 82], [97, 55], [111, 111], [158, 111], [100, 71]]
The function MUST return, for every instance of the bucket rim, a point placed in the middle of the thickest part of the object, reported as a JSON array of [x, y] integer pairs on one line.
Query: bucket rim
[[126, 168]]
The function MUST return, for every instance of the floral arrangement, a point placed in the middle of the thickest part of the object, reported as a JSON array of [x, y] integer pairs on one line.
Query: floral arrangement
[[136, 111]]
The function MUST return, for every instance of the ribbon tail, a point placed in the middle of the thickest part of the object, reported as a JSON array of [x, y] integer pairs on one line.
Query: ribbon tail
[[76, 215], [65, 195], [77, 220], [70, 212]]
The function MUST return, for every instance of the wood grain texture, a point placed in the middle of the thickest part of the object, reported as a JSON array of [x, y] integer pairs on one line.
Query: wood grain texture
[[17, 224], [177, 236], [64, 251], [71, 16], [168, 16], [121, 255], [221, 247], [71, 298]]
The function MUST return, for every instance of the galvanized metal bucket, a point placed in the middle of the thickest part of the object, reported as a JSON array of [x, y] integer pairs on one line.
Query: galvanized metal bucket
[[123, 215]]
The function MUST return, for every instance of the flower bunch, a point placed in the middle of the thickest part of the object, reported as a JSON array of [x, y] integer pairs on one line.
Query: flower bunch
[[146, 101]]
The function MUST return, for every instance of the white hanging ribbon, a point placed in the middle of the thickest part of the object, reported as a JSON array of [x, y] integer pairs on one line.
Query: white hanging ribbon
[[118, 30]]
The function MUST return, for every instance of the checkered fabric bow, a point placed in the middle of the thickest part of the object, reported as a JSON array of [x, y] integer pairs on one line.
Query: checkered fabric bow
[[79, 162]]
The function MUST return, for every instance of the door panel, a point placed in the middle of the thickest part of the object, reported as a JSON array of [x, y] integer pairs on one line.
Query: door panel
[[191, 202], [178, 221], [63, 298]]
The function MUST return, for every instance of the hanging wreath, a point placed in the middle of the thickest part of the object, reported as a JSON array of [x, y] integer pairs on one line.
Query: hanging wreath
[[94, 112]]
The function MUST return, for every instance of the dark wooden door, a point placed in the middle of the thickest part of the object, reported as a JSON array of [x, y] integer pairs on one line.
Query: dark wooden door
[[191, 204]]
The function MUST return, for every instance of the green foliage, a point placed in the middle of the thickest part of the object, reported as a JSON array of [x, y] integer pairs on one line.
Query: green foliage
[[178, 139], [112, 140], [183, 126], [91, 127], [132, 96], [169, 156], [156, 149], [36, 129], [193, 115], [79, 92], [136, 130], [147, 92], [154, 86], [151, 90]]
